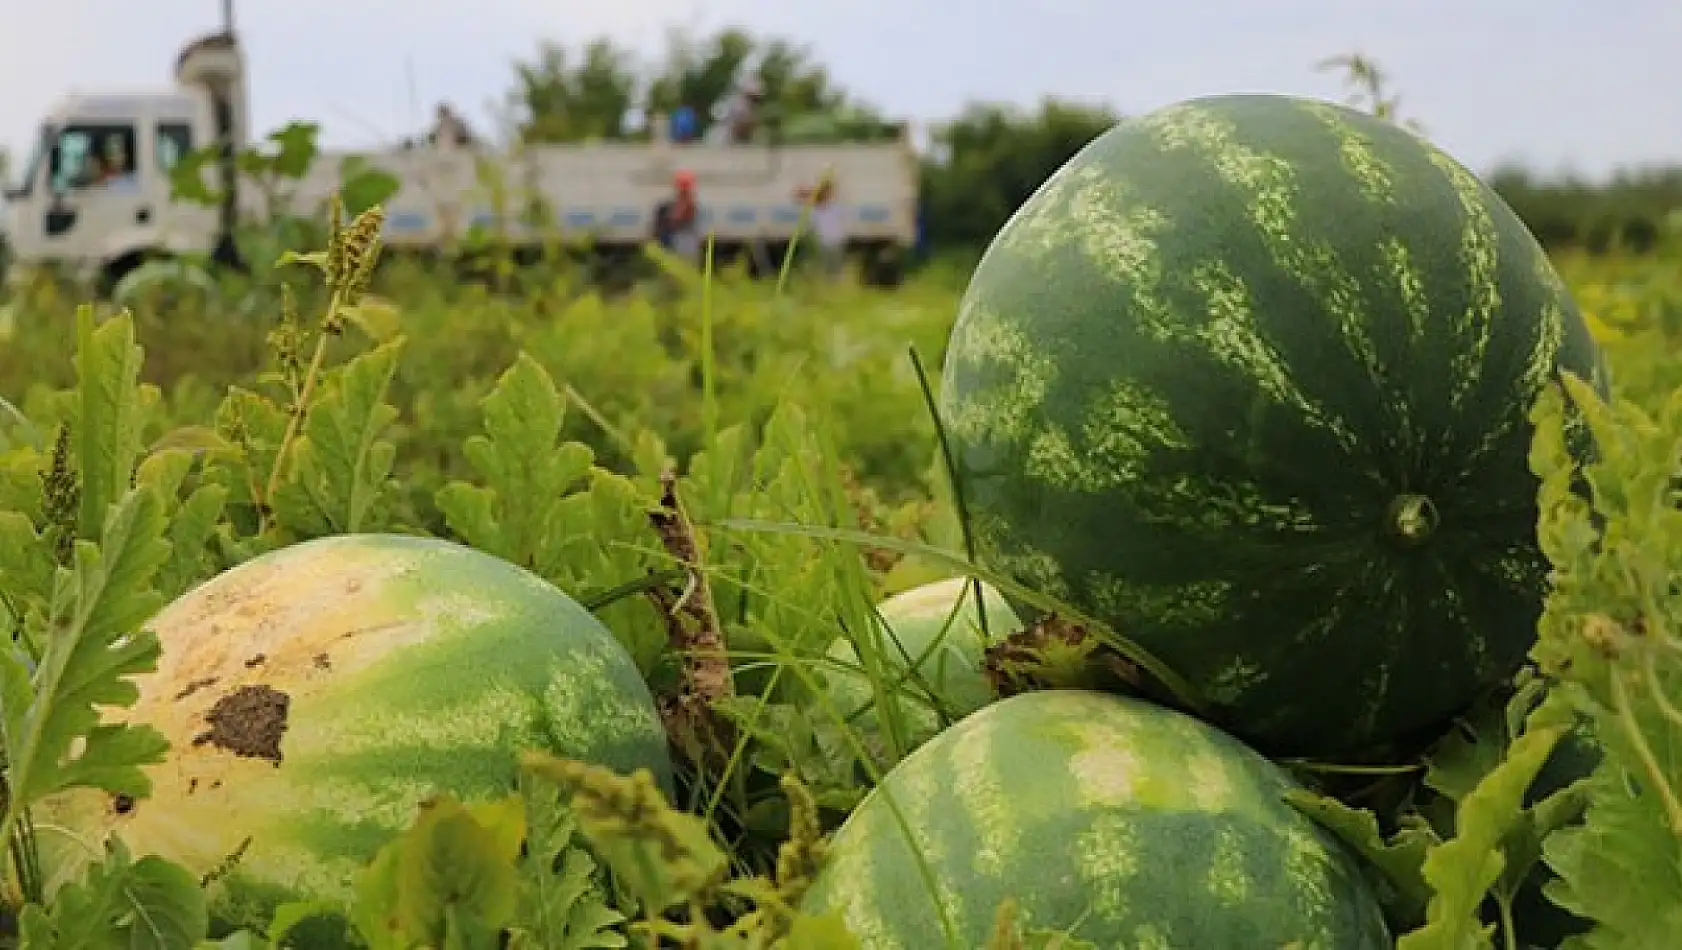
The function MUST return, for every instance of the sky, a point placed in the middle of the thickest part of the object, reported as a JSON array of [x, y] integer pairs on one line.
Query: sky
[[1557, 84]]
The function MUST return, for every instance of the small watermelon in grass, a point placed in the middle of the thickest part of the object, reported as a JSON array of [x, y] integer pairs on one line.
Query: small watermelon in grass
[[1248, 379], [1123, 822], [942, 631], [316, 695]]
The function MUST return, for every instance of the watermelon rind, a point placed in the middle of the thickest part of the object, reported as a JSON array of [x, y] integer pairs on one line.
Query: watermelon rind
[[1247, 380], [931, 645], [1121, 822], [316, 695]]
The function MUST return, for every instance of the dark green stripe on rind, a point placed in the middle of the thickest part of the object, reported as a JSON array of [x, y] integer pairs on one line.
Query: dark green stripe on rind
[[1128, 823], [1194, 371]]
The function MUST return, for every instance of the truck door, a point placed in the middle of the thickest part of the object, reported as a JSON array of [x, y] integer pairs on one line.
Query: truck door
[[94, 190], [181, 225]]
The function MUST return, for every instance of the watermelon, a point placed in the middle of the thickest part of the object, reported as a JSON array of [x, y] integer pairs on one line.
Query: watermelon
[[1247, 380], [938, 629], [315, 695], [1123, 822]]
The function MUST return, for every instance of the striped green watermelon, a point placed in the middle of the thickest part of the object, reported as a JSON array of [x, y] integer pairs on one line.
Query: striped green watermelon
[[1248, 380], [1123, 822], [938, 628], [316, 695]]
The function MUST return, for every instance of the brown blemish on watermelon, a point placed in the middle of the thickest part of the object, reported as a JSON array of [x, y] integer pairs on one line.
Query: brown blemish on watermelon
[[195, 686], [256, 630], [249, 722]]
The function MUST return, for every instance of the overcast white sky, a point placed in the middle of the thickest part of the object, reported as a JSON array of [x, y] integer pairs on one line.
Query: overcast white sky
[[1582, 83]]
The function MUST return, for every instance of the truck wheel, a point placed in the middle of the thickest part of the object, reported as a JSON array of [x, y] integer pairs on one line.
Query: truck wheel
[[885, 267]]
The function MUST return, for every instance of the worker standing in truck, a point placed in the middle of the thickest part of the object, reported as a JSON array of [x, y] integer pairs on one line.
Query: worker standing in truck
[[741, 113], [828, 226], [677, 220], [447, 127], [685, 125]]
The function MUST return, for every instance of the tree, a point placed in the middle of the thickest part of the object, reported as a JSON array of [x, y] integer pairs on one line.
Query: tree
[[563, 98], [699, 75], [795, 84], [993, 157], [566, 97]]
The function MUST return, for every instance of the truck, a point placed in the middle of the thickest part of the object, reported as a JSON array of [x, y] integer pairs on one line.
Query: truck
[[599, 195]]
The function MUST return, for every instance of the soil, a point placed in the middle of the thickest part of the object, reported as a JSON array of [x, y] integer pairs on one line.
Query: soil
[[249, 722]]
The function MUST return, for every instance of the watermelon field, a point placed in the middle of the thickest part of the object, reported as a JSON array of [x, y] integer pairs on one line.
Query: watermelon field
[[1266, 544]]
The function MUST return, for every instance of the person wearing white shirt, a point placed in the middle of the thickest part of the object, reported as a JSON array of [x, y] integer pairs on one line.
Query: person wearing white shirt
[[829, 228], [741, 113]]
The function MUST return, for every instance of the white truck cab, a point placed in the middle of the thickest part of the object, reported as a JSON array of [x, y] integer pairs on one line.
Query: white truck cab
[[96, 190], [95, 195]]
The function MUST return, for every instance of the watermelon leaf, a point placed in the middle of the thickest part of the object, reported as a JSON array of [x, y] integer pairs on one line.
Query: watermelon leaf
[[663, 856], [1468, 752], [107, 414], [525, 473], [1462, 870], [26, 574], [20, 480], [541, 503], [561, 907], [1614, 870], [1399, 860], [252, 425], [340, 468], [823, 932], [94, 644], [1609, 635], [448, 881], [192, 521], [148, 904]]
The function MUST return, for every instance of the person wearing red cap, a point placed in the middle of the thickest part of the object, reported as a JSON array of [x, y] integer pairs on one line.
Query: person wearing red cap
[[677, 219]]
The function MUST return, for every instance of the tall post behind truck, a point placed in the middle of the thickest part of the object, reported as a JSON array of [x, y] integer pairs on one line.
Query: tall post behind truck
[[96, 197]]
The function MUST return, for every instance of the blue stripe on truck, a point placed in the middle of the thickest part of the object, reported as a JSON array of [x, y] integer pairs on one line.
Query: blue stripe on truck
[[406, 221], [411, 221]]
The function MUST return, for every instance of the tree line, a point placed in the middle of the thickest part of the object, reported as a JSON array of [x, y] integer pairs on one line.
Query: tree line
[[988, 159]]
